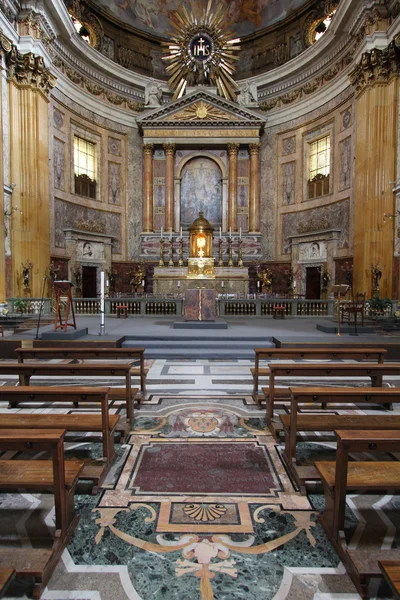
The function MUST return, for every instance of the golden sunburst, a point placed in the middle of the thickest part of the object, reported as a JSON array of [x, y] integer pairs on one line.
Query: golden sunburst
[[202, 51]]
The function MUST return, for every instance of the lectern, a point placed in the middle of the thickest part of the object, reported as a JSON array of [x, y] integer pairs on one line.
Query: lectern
[[63, 289]]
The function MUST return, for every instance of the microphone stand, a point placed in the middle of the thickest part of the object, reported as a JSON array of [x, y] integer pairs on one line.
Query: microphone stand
[[40, 308]]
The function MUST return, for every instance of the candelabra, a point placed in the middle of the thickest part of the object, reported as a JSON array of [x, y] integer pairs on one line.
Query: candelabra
[[180, 261], [171, 253], [240, 253], [230, 259], [220, 261], [161, 263]]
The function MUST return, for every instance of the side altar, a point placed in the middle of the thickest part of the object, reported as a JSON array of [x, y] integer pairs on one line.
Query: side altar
[[201, 272]]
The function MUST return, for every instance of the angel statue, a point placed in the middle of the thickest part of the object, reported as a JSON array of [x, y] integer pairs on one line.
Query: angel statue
[[266, 279], [26, 273], [248, 95], [153, 94], [136, 277], [376, 277]]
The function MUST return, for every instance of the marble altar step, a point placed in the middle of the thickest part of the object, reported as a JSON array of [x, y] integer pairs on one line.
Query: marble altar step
[[204, 347]]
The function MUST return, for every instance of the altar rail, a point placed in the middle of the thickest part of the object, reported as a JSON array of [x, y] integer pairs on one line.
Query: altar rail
[[248, 305]]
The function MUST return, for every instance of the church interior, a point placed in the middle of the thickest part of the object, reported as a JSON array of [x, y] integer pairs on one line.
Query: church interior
[[200, 299]]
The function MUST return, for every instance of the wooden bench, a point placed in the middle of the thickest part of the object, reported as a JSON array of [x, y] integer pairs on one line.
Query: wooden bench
[[369, 354], [373, 476], [127, 354], [104, 423], [28, 370], [374, 371], [56, 475], [279, 311], [343, 398], [6, 576], [391, 573]]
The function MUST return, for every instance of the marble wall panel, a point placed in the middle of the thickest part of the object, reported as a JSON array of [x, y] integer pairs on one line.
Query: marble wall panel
[[243, 191], [341, 266], [332, 216], [114, 183], [159, 189], [59, 164], [289, 183], [345, 164], [134, 194], [67, 215], [62, 265]]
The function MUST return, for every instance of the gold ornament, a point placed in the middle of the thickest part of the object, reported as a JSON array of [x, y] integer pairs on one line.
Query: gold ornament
[[201, 51]]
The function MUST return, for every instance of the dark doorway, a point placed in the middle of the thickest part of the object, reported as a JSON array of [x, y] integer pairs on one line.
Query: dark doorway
[[89, 282], [313, 283]]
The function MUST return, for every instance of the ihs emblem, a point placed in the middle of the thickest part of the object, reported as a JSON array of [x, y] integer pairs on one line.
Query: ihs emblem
[[202, 51]]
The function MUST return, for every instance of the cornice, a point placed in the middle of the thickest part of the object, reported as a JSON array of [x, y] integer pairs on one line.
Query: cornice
[[28, 70], [377, 66]]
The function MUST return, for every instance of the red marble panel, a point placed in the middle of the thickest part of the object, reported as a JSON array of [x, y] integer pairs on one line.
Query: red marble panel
[[192, 305], [208, 305]]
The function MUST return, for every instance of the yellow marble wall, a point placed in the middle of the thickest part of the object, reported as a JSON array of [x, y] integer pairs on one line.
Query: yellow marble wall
[[375, 173]]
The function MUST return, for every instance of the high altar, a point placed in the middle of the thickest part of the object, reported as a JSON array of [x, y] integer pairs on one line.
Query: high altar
[[201, 272]]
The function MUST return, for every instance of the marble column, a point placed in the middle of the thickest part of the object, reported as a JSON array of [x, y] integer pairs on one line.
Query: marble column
[[169, 186], [375, 169], [254, 188], [30, 83], [233, 149], [148, 187]]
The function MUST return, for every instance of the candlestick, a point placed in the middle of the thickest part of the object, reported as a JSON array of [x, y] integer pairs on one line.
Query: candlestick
[[230, 232], [220, 261], [180, 261], [161, 234], [240, 253], [171, 252], [161, 263], [170, 234], [181, 232], [240, 233], [179, 284], [222, 284], [220, 233], [230, 259]]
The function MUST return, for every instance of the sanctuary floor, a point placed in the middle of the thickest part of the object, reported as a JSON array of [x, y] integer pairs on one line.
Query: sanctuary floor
[[199, 504]]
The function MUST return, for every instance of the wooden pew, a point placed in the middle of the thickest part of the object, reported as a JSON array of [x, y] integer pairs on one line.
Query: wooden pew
[[374, 371], [6, 576], [369, 354], [28, 370], [391, 573], [57, 475], [343, 398], [104, 423], [374, 477], [91, 354]]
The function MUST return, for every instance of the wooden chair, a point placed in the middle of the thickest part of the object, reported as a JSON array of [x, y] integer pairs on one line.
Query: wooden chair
[[391, 573], [6, 576], [354, 307]]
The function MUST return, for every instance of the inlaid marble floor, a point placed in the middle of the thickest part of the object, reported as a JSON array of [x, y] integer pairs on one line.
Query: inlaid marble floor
[[199, 504]]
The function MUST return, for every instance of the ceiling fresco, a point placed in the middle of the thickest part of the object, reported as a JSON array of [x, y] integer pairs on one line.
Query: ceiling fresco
[[246, 16]]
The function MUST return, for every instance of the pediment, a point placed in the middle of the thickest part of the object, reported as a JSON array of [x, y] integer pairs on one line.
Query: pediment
[[201, 108]]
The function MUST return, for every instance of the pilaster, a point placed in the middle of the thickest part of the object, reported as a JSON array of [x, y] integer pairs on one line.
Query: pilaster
[[169, 185], [148, 150], [233, 149], [254, 188]]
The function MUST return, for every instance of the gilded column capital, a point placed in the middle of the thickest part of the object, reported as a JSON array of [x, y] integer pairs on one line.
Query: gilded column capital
[[377, 66], [169, 148], [148, 149], [233, 148], [254, 148], [29, 70], [5, 43]]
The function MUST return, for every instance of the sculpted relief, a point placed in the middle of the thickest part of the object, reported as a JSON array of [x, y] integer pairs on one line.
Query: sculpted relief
[[312, 251]]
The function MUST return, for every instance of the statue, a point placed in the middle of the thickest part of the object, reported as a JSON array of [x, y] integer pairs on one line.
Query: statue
[[53, 272], [289, 276], [154, 94], [77, 273], [247, 96], [376, 277], [266, 277], [26, 274], [111, 280], [136, 277]]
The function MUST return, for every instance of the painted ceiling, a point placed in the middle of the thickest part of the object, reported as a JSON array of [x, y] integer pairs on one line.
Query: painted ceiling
[[245, 16]]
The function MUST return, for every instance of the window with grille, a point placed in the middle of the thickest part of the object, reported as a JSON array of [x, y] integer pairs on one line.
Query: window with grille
[[84, 167], [320, 162]]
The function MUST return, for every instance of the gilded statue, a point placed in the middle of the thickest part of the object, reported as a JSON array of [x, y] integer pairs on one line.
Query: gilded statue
[[136, 277]]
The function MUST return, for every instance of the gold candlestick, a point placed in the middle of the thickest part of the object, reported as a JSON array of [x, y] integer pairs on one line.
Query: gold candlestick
[[180, 261], [230, 259], [240, 253], [161, 263], [171, 253], [220, 261]]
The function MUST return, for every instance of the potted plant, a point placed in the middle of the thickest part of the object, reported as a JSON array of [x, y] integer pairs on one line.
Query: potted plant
[[20, 305], [378, 306]]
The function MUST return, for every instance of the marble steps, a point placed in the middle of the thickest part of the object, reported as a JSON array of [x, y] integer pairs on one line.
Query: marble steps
[[200, 347]]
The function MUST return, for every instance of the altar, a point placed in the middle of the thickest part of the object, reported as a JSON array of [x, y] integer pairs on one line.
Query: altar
[[201, 272]]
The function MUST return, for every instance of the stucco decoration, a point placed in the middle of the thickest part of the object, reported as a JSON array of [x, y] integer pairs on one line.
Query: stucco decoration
[[312, 251], [289, 171], [333, 216], [114, 183], [201, 190], [58, 119], [67, 215], [345, 164], [244, 17], [59, 164], [90, 251], [114, 146], [289, 146]]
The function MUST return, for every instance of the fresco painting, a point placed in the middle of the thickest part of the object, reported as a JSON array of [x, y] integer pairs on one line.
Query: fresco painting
[[245, 16], [201, 190]]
